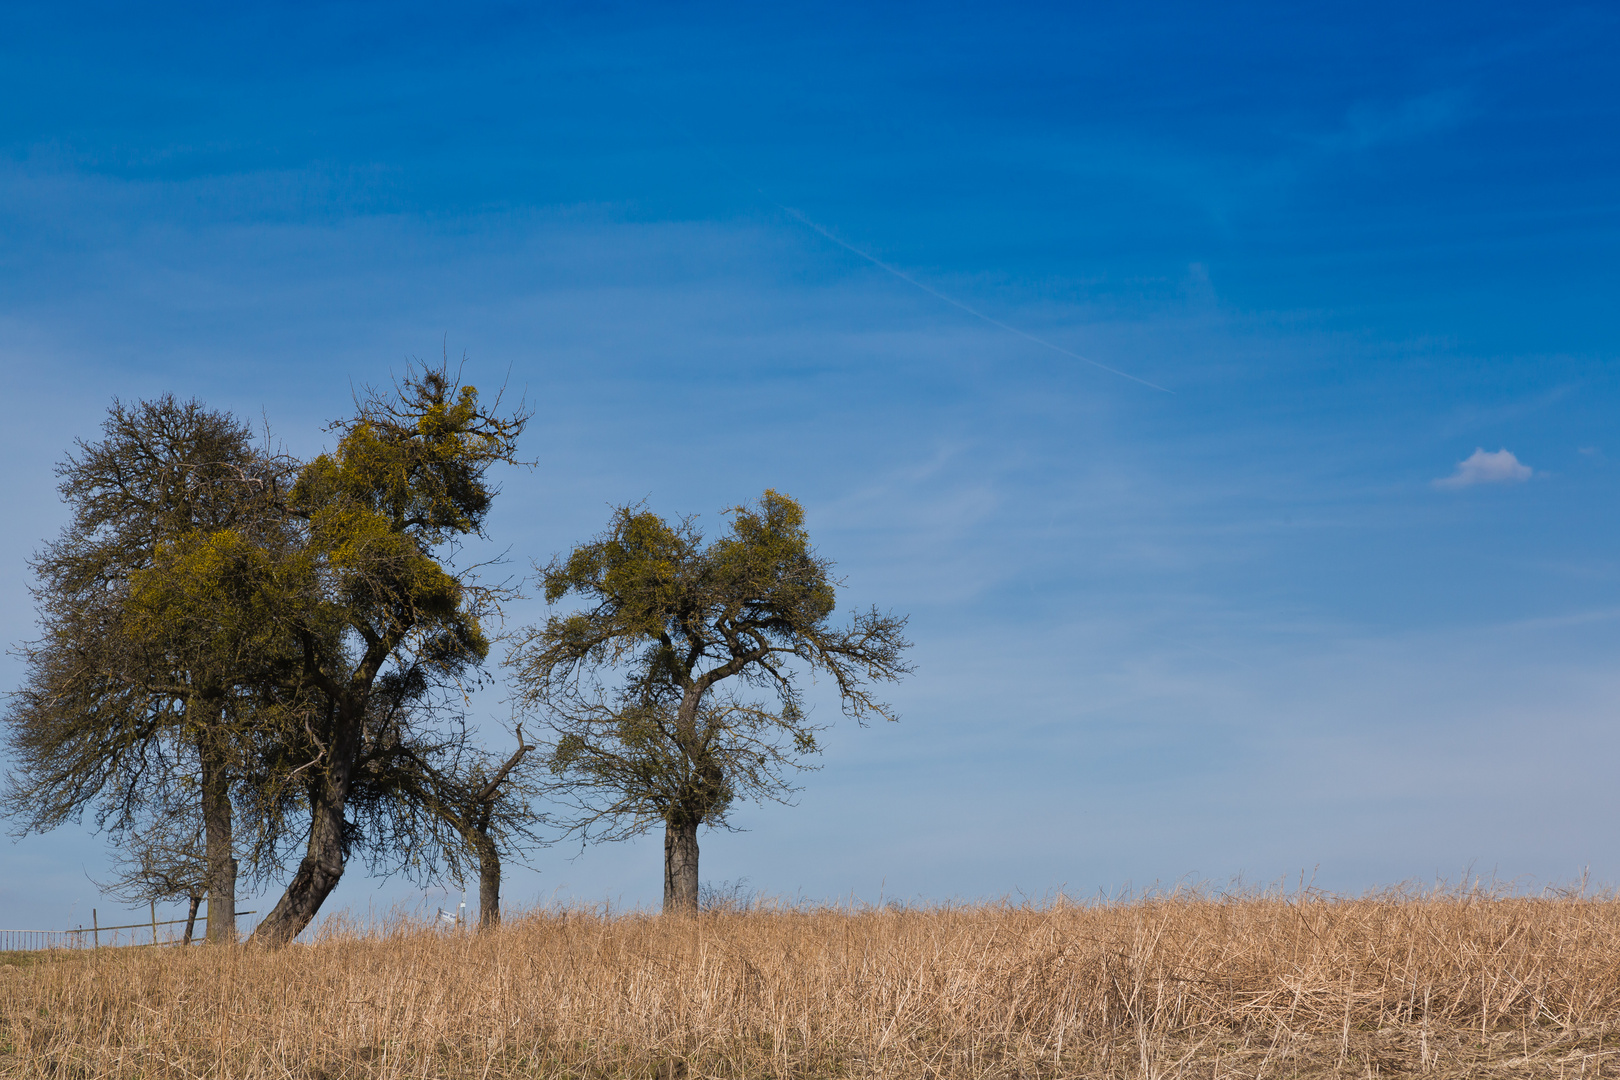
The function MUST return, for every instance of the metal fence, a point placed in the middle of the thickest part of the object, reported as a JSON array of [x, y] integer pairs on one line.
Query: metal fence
[[96, 936], [34, 940]]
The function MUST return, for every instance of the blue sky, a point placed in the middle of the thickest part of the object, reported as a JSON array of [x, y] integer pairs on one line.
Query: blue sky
[[1230, 627]]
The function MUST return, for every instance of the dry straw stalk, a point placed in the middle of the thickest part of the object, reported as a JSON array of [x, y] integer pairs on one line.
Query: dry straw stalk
[[1193, 985]]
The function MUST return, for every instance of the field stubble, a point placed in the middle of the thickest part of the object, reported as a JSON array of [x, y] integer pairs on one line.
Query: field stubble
[[1445, 985]]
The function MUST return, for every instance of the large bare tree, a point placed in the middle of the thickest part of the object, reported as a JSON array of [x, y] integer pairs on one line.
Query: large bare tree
[[151, 685]]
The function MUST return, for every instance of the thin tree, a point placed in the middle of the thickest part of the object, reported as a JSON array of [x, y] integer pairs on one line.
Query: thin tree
[[469, 808], [379, 600], [433, 810], [646, 687], [485, 803], [162, 860], [150, 680]]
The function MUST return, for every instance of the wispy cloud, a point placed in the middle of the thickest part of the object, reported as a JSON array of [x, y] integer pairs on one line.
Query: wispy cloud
[[1368, 125], [1481, 467], [951, 300]]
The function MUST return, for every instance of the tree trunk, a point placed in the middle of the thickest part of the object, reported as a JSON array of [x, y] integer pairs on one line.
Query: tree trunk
[[489, 883], [317, 874], [680, 866], [324, 855], [221, 885], [191, 919]]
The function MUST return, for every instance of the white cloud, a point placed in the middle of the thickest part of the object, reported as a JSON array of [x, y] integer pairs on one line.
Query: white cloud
[[1483, 468]]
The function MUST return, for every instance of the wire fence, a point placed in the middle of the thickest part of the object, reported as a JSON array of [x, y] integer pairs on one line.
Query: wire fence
[[96, 936]]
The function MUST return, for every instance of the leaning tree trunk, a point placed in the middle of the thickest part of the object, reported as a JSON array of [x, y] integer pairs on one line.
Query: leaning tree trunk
[[681, 866], [216, 811], [317, 875], [322, 865], [191, 919], [489, 882]]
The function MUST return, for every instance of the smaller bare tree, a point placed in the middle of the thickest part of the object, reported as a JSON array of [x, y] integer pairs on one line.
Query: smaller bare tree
[[163, 860], [440, 810], [488, 807]]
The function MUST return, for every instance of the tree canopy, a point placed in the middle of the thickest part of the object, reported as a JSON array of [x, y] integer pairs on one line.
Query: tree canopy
[[248, 658], [230, 638], [646, 685], [380, 607], [151, 687]]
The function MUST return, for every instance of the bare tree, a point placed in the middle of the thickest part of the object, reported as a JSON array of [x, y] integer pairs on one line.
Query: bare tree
[[439, 812], [488, 805], [150, 683], [163, 860]]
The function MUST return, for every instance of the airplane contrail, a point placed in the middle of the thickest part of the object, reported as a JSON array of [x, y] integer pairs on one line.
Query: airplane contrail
[[951, 300]]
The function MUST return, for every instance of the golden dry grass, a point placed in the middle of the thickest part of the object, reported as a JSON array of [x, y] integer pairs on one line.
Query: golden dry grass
[[1199, 986]]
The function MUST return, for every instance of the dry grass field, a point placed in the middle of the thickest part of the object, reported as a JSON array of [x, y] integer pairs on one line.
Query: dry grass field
[[1444, 985]]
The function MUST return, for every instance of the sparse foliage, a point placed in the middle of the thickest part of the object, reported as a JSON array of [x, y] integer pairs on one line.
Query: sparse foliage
[[233, 640], [151, 688], [162, 860], [646, 687], [475, 807], [383, 619]]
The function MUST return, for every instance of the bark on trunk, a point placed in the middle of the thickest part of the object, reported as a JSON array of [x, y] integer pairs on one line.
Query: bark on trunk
[[319, 871], [191, 919], [489, 883], [324, 856], [216, 810], [680, 867], [680, 823]]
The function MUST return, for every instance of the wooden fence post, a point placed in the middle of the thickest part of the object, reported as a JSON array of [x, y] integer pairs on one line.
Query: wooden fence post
[[95, 927]]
